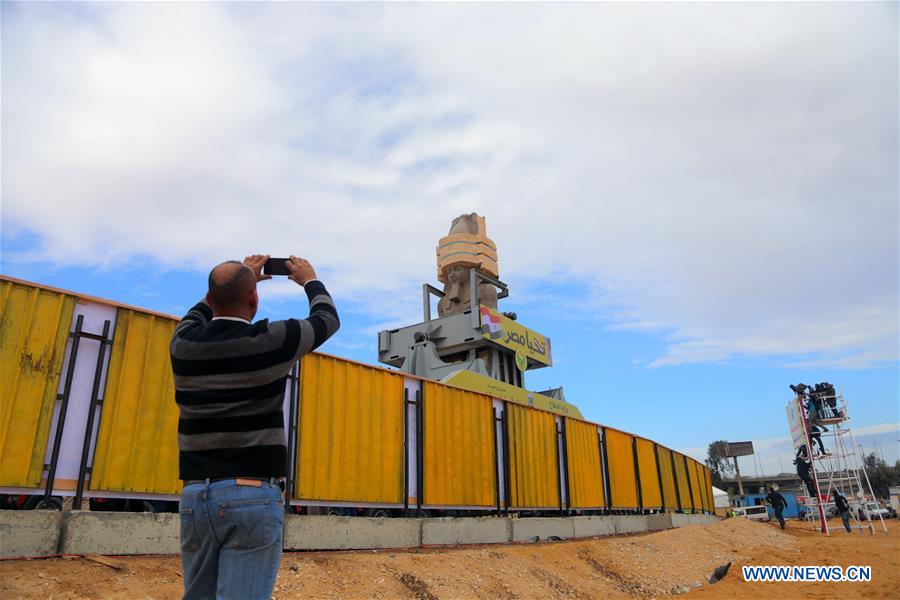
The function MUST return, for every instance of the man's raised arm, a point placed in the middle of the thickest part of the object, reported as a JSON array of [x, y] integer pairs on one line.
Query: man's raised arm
[[323, 319]]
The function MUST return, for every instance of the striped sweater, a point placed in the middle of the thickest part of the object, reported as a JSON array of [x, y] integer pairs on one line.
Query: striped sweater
[[229, 385]]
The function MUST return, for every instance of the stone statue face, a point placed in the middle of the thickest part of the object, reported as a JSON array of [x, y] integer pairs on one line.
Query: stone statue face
[[456, 274]]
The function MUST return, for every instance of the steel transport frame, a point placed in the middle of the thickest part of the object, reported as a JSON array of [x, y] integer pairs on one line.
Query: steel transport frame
[[88, 410]]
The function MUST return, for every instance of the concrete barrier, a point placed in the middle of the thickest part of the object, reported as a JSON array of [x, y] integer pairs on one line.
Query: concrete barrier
[[659, 521], [630, 523], [29, 532], [303, 532], [121, 533], [585, 527], [41, 533], [682, 520], [455, 531], [525, 530]]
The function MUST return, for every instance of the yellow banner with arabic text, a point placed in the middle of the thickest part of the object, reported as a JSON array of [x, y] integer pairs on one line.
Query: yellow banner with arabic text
[[505, 332]]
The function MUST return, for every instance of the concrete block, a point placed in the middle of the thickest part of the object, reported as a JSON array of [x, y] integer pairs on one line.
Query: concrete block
[[29, 532], [302, 532], [681, 520], [466, 530], [526, 528], [593, 526], [630, 523], [659, 521], [122, 533]]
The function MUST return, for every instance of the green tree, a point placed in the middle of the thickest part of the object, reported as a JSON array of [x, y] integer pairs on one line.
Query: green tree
[[720, 466], [881, 476]]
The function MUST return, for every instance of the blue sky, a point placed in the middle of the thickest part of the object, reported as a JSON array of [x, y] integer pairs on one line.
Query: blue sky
[[698, 203]]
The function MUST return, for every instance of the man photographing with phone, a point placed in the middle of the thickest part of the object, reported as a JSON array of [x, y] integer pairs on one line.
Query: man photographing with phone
[[230, 376]]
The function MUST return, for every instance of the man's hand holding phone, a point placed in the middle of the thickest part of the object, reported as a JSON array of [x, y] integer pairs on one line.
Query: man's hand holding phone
[[295, 268], [256, 263], [301, 271]]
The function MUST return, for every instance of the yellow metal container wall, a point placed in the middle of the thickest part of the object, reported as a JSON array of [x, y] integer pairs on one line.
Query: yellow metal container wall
[[350, 446], [696, 487], [137, 445], [650, 493], [533, 478], [622, 478], [701, 483], [34, 328], [584, 466], [707, 493], [668, 477], [458, 438], [684, 488], [710, 499]]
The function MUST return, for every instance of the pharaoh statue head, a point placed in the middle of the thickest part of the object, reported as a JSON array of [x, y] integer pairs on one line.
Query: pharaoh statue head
[[466, 247]]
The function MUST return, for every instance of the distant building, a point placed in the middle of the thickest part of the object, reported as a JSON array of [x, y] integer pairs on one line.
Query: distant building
[[791, 511], [786, 482], [894, 493]]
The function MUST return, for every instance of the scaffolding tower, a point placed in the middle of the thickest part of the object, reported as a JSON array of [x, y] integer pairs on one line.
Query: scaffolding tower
[[840, 468]]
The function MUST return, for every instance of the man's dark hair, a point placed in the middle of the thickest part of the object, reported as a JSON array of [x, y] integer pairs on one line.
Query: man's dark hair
[[229, 286]]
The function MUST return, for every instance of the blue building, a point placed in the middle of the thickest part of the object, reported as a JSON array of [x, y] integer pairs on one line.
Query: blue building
[[792, 510]]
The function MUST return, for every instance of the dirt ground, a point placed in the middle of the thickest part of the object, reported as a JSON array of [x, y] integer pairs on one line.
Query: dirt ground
[[673, 562]]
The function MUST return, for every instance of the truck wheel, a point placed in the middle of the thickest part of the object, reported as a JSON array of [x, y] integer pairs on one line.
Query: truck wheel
[[38, 503]]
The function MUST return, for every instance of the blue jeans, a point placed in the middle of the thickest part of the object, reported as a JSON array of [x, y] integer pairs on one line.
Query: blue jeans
[[231, 540], [845, 517]]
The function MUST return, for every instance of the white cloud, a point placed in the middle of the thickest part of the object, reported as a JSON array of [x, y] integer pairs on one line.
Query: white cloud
[[724, 175]]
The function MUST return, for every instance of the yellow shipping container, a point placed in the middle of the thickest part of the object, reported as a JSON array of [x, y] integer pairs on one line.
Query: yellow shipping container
[[622, 478], [458, 447], [696, 487], [137, 444], [34, 328], [651, 497], [584, 466], [350, 446], [670, 495], [533, 477], [684, 487]]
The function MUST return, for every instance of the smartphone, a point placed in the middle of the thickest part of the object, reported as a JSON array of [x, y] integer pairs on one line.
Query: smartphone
[[275, 266]]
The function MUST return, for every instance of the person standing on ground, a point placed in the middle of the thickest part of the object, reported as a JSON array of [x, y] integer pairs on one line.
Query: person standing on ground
[[778, 504], [843, 508], [230, 376]]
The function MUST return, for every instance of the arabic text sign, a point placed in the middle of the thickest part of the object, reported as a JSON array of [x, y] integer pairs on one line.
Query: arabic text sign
[[509, 334], [475, 382], [795, 423], [739, 449]]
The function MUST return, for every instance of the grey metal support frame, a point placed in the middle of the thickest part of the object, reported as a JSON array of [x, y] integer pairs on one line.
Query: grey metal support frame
[[427, 291], [92, 409], [606, 481], [293, 422], [475, 276], [63, 408], [420, 452]]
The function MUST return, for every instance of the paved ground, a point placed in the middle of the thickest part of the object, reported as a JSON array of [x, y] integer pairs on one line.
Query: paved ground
[[674, 562]]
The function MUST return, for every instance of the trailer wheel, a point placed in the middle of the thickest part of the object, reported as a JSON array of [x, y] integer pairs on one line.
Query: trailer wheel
[[378, 513], [38, 503]]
